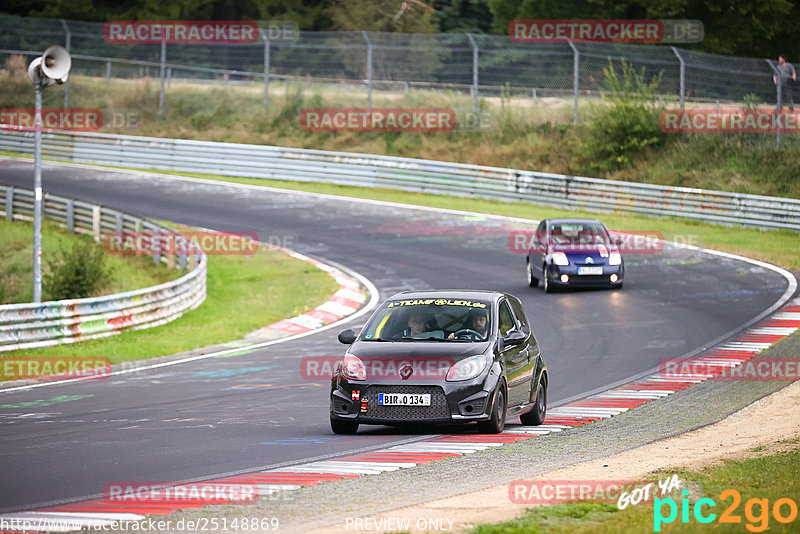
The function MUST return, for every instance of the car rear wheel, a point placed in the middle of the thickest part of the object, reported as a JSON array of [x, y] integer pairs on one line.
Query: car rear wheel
[[343, 427], [497, 422], [536, 416], [532, 280]]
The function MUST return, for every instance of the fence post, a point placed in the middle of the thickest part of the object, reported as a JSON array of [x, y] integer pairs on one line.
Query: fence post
[[9, 203], [369, 69], [108, 71], [533, 95], [576, 79], [683, 74], [779, 95], [67, 44], [163, 75], [475, 53], [266, 69]]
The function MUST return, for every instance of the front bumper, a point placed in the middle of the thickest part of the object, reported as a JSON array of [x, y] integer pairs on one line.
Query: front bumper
[[451, 402], [585, 280]]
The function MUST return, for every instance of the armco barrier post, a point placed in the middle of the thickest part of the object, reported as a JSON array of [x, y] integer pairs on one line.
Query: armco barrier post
[[96, 223], [9, 203], [70, 215]]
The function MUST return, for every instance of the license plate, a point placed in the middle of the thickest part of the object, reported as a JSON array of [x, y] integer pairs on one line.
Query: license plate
[[590, 270], [404, 399]]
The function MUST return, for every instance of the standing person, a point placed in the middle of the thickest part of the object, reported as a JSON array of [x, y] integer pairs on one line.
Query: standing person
[[788, 74]]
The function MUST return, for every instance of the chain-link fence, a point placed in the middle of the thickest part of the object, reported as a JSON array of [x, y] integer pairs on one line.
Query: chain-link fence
[[477, 64]]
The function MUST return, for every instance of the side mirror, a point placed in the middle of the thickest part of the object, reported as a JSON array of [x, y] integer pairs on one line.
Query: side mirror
[[515, 337], [347, 337], [526, 330]]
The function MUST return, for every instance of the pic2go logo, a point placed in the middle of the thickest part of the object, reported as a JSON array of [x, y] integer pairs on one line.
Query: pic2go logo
[[756, 511]]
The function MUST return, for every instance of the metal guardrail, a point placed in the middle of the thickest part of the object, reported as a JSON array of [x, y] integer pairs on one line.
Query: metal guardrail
[[33, 325], [569, 192]]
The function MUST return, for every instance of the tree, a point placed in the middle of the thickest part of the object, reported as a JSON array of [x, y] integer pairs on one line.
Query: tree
[[462, 16], [405, 16]]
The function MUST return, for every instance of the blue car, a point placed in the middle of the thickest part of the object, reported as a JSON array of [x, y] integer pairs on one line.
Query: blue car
[[574, 253]]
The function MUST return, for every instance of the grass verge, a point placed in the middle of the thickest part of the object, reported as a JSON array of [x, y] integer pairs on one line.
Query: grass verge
[[16, 267], [244, 293], [764, 478]]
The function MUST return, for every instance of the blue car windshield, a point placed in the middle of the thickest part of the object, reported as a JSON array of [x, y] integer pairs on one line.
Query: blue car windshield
[[430, 320], [579, 233]]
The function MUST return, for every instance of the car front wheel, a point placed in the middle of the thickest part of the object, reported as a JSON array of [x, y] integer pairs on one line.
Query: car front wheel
[[548, 288], [532, 280], [497, 422]]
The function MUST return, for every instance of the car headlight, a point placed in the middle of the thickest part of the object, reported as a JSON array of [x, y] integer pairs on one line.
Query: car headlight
[[615, 258], [467, 369], [559, 258], [353, 368]]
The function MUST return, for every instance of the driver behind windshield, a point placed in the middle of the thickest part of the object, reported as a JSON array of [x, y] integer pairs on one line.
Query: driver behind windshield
[[418, 326], [478, 321]]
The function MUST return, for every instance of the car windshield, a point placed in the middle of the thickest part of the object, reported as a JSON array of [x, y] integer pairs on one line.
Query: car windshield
[[449, 320], [578, 233]]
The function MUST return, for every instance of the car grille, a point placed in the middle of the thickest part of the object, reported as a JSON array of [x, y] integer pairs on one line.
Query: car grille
[[437, 410], [590, 278]]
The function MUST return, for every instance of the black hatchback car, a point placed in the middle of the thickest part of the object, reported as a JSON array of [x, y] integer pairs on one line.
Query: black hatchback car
[[574, 252], [441, 357]]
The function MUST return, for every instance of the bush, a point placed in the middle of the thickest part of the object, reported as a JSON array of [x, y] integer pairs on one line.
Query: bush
[[629, 124], [77, 272]]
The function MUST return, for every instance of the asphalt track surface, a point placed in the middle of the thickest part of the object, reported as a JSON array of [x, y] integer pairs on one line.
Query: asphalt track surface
[[255, 411]]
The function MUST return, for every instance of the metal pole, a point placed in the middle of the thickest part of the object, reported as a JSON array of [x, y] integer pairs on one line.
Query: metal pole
[[369, 69], [108, 71], [683, 74], [266, 70], [576, 79], [475, 53], [37, 197], [780, 99], [163, 75], [67, 46]]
